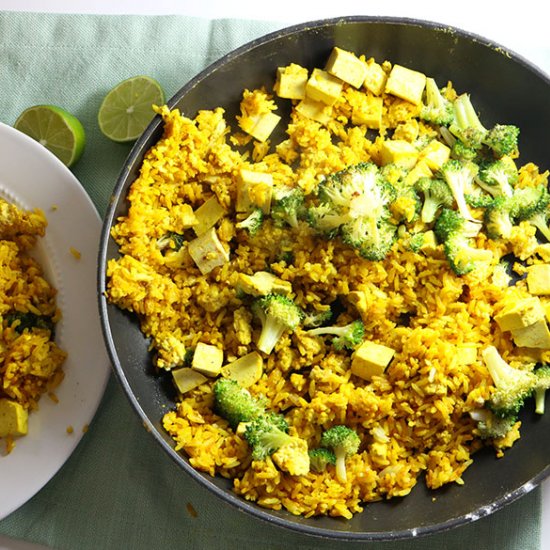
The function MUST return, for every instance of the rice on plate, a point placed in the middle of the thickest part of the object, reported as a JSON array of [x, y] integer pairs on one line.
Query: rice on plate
[[347, 310]]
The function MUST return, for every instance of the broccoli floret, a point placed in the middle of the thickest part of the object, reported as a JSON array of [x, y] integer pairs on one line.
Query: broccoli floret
[[502, 139], [288, 206], [437, 194], [171, 240], [530, 201], [498, 177], [277, 313], [455, 233], [347, 336], [373, 243], [512, 386], [320, 458], [541, 386], [416, 241], [461, 151], [235, 403], [252, 222], [459, 177], [314, 319], [344, 442], [491, 426], [498, 218], [466, 125], [29, 321], [437, 109]]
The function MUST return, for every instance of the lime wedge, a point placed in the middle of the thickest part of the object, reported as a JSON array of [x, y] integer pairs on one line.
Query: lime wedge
[[127, 109], [56, 129]]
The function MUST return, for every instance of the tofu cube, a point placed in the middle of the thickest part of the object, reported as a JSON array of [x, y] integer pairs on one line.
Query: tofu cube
[[13, 418], [543, 250], [245, 370], [207, 359], [291, 82], [429, 243], [315, 110], [538, 279], [435, 154], [371, 359], [254, 190], [263, 283], [375, 78], [187, 379], [400, 152], [208, 252], [260, 126], [536, 335], [420, 170], [522, 314], [208, 214], [406, 84], [369, 112], [322, 86], [347, 67]]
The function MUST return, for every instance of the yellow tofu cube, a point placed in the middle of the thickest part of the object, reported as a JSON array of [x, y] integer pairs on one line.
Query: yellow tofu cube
[[398, 151], [538, 279], [245, 370], [263, 283], [420, 170], [435, 154], [13, 418], [429, 243], [207, 251], [187, 379], [375, 78], [347, 67], [406, 84], [547, 311], [315, 110], [322, 86], [254, 190], [536, 335], [291, 82], [207, 359], [370, 359], [260, 126], [522, 314], [369, 112], [208, 214], [543, 250]]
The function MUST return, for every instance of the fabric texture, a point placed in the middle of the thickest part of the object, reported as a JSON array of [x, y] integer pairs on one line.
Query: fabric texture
[[119, 489]]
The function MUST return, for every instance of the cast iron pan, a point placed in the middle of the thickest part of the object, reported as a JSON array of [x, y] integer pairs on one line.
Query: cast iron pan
[[505, 88]]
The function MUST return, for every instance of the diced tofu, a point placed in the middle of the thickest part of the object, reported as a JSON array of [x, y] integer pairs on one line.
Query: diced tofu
[[208, 252], [291, 82], [245, 370], [536, 335], [187, 379], [322, 86], [263, 283], [371, 359], [261, 126], [420, 170], [406, 84], [347, 67], [429, 243], [369, 112], [538, 279], [375, 78], [522, 314], [208, 214], [13, 418], [543, 250], [315, 110], [207, 359], [398, 151], [435, 154], [467, 354], [254, 190], [547, 311], [293, 457]]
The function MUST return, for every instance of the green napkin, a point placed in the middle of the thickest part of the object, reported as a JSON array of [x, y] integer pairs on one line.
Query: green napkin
[[119, 489]]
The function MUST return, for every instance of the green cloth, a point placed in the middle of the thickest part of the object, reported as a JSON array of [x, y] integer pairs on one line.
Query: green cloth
[[119, 489]]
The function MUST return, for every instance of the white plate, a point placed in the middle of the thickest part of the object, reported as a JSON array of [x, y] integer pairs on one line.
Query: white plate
[[32, 177]]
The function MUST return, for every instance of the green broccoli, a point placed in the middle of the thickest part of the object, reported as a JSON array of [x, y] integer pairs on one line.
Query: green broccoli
[[171, 240], [512, 386], [455, 233], [277, 313], [347, 336], [502, 139], [498, 218], [459, 177], [541, 386], [437, 109], [498, 177], [27, 320], [530, 201], [314, 319], [461, 151], [344, 442], [417, 241], [466, 125], [490, 426], [235, 403], [437, 194], [288, 206], [252, 222], [541, 220], [320, 458]]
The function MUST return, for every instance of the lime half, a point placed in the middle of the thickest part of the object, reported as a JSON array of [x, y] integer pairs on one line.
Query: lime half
[[56, 129], [127, 109]]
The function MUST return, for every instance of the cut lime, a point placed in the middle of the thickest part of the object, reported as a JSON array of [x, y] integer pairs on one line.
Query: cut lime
[[56, 129], [127, 109]]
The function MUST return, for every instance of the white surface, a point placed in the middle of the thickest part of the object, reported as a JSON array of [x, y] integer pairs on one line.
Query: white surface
[[521, 28], [32, 177]]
